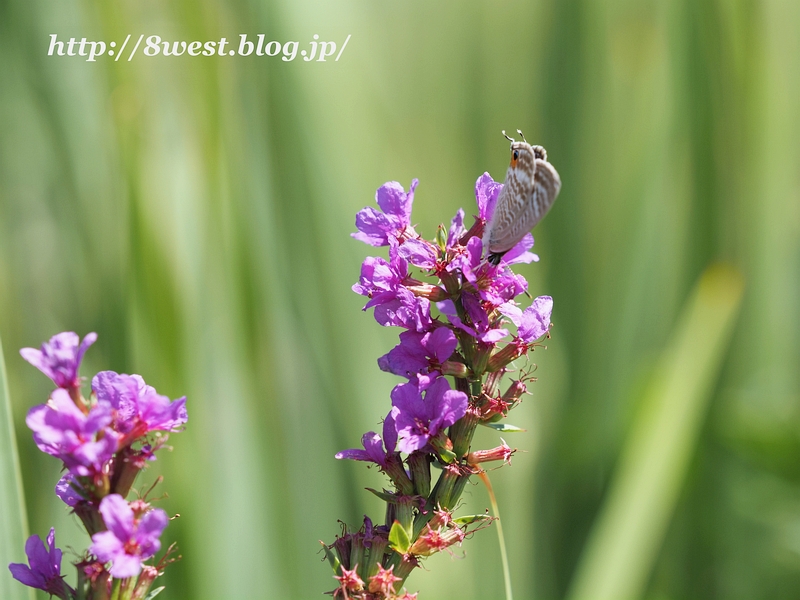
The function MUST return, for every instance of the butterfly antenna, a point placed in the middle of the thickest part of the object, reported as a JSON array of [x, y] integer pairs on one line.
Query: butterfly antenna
[[522, 135], [508, 138]]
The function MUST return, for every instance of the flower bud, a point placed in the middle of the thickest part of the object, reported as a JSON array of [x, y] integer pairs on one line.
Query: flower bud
[[435, 540], [455, 368], [383, 581], [501, 358], [146, 578], [432, 292], [444, 447], [499, 453], [349, 580], [515, 392], [441, 238]]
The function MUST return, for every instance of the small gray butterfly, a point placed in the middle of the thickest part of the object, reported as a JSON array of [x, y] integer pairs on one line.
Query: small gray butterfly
[[530, 188]]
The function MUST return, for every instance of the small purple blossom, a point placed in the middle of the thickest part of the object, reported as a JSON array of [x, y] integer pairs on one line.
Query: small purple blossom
[[384, 283], [419, 353], [419, 253], [65, 490], [482, 329], [405, 310], [380, 280], [137, 407], [374, 446], [83, 442], [128, 540], [44, 572], [60, 357], [495, 284], [419, 418], [534, 321], [394, 222]]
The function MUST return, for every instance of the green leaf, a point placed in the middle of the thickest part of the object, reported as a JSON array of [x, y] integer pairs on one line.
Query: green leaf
[[331, 556], [13, 520], [630, 528], [504, 427], [398, 538], [155, 592], [385, 496], [470, 519]]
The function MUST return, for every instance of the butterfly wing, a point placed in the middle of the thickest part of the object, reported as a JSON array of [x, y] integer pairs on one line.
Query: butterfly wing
[[546, 185], [506, 228]]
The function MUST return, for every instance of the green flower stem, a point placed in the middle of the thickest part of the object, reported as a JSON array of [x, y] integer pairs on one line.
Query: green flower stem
[[461, 433], [116, 589], [420, 465]]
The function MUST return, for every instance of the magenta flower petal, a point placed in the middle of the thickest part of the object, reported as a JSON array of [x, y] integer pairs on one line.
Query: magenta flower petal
[[382, 228], [62, 430], [373, 450], [106, 546], [420, 414], [394, 200], [44, 572], [60, 357], [127, 542], [137, 407], [486, 192], [389, 434], [125, 565], [419, 253], [457, 229], [535, 319], [117, 515], [441, 343], [151, 525], [519, 253], [372, 226], [66, 492]]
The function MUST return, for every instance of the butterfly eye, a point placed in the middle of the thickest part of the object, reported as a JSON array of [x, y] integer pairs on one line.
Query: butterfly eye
[[516, 154]]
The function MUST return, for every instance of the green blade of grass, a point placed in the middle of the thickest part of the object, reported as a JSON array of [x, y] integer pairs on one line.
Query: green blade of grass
[[13, 521], [619, 555]]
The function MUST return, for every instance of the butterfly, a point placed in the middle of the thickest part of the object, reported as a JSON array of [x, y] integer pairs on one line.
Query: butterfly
[[530, 188]]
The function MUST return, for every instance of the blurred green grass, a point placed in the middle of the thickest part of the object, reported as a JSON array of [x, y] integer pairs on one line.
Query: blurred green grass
[[196, 212]]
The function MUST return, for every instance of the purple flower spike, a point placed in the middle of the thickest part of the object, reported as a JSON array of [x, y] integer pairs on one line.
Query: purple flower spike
[[128, 540], [418, 418], [60, 357], [377, 228], [419, 353], [138, 409], [44, 572]]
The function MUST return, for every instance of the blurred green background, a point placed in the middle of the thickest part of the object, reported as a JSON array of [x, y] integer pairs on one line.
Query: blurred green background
[[196, 213]]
